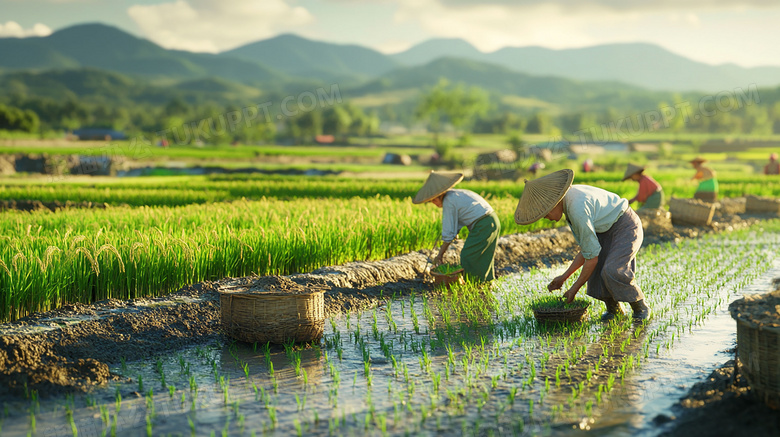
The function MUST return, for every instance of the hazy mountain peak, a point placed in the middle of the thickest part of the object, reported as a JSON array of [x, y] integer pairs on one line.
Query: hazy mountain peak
[[426, 51]]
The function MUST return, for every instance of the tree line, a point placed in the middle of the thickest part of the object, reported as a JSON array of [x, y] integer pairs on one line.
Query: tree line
[[443, 107]]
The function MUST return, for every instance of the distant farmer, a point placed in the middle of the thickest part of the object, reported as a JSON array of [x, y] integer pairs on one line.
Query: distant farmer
[[463, 208], [607, 230], [587, 166], [535, 167], [773, 167], [708, 184], [650, 194]]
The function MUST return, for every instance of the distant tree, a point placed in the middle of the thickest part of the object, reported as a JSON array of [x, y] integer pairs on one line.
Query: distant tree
[[515, 141], [456, 105], [309, 125], [540, 123], [336, 120], [72, 114], [756, 121], [503, 123], [15, 119], [577, 121], [774, 114]]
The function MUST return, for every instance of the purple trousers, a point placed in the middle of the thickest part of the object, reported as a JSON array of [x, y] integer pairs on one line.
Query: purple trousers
[[614, 273]]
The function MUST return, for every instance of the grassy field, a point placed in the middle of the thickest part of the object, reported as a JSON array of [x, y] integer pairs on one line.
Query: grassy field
[[48, 260], [165, 232], [185, 190]]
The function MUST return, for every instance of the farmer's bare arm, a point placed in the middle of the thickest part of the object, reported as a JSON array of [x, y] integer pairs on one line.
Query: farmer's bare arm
[[439, 258], [557, 283], [588, 266]]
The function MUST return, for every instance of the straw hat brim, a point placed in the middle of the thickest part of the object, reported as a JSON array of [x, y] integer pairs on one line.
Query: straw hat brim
[[541, 195], [436, 185], [632, 170], [697, 159]]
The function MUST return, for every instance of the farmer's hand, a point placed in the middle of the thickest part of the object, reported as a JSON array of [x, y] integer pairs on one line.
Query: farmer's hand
[[437, 261], [570, 294], [556, 283]]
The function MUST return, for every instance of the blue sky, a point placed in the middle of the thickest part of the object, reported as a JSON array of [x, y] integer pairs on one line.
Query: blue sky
[[713, 31]]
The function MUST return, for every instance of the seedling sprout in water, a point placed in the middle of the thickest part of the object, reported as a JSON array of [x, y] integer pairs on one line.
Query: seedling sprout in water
[[557, 303], [474, 360], [447, 269]]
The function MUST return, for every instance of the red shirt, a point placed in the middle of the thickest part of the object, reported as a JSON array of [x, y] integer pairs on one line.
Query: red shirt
[[647, 187]]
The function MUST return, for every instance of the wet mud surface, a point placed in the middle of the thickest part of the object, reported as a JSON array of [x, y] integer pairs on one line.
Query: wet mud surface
[[722, 404], [70, 349]]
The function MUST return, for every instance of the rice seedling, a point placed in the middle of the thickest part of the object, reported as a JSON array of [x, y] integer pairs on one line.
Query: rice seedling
[[445, 375]]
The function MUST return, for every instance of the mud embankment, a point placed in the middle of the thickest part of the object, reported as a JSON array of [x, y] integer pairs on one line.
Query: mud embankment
[[53, 206]]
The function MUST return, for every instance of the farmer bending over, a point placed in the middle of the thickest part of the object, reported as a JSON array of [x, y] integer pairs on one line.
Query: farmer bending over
[[773, 167], [607, 230], [708, 183], [650, 194], [463, 208]]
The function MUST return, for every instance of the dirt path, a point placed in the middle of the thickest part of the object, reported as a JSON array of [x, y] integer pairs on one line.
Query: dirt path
[[71, 348]]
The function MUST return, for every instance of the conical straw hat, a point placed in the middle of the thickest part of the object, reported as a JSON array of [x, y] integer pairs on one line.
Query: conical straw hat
[[697, 159], [541, 195], [632, 170], [436, 184]]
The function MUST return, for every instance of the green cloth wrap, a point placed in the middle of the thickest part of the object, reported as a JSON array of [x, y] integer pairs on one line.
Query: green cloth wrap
[[710, 186], [655, 200], [479, 250]]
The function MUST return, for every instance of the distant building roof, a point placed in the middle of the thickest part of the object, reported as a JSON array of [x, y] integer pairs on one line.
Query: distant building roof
[[324, 139], [582, 149], [99, 134], [644, 147]]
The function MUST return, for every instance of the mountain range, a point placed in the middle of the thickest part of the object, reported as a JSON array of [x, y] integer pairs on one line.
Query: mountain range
[[645, 65], [615, 72]]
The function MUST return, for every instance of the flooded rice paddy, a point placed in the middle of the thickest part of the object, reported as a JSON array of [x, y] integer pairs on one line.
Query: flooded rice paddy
[[473, 362]]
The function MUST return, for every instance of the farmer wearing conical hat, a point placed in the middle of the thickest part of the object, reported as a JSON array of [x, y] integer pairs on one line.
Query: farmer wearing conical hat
[[463, 208], [650, 194], [773, 168], [607, 230], [708, 184]]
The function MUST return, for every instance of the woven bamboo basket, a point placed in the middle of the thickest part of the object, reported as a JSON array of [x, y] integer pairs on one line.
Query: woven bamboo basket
[[448, 279], [691, 212], [758, 350], [273, 317], [762, 205], [574, 315]]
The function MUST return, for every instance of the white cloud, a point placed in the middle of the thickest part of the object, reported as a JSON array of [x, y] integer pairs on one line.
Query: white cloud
[[216, 25], [621, 5], [688, 18], [13, 29], [492, 26]]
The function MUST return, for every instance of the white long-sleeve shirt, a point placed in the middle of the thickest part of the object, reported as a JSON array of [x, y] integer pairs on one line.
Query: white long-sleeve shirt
[[590, 211], [461, 208]]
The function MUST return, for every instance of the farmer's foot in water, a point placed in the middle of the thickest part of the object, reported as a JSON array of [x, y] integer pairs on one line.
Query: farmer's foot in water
[[613, 310], [641, 311]]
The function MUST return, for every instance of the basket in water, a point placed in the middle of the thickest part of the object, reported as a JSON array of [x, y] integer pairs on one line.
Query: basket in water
[[762, 205], [691, 212], [447, 279], [562, 314], [758, 350], [275, 317]]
